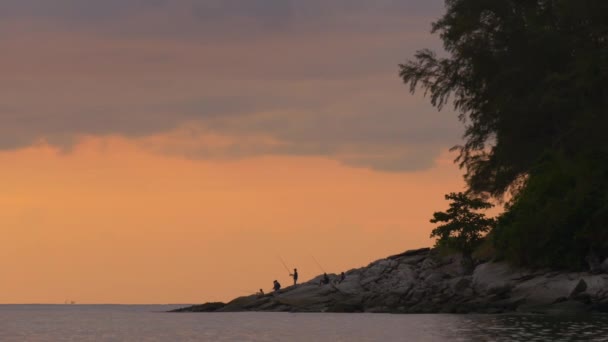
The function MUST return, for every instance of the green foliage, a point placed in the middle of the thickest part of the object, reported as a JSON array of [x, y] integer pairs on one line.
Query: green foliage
[[528, 79], [559, 216], [486, 251], [463, 227]]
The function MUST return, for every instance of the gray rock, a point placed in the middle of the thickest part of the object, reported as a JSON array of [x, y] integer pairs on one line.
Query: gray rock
[[580, 287], [459, 285], [422, 281], [492, 275], [415, 252], [543, 290], [604, 266], [207, 307], [596, 284]]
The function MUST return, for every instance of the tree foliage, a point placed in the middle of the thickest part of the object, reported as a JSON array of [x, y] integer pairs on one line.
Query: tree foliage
[[526, 76], [529, 79], [464, 226], [557, 219]]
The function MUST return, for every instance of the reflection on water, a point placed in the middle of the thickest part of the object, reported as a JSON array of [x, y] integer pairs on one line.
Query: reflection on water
[[150, 323], [526, 328]]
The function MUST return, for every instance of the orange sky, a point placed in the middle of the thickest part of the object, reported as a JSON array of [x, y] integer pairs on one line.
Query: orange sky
[[170, 151], [109, 222]]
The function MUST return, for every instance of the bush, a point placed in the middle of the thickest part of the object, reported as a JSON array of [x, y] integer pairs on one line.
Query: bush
[[464, 227], [559, 217]]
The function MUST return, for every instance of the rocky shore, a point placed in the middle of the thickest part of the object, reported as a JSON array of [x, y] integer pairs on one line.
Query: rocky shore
[[423, 281]]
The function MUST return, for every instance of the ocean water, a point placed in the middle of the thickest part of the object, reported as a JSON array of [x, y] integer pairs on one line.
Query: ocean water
[[151, 323]]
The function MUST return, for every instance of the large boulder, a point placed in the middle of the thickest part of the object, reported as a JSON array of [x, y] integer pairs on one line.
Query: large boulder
[[597, 284], [305, 297], [351, 284], [543, 290], [492, 275]]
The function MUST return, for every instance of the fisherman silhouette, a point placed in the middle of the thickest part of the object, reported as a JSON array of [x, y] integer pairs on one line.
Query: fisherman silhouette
[[324, 280], [294, 276], [276, 286]]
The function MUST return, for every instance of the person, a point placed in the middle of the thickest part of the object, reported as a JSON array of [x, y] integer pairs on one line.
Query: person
[[324, 280], [276, 286], [340, 279], [294, 275], [261, 293]]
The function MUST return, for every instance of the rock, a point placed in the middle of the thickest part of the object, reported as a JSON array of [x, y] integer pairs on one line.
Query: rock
[[305, 296], [604, 266], [582, 297], [600, 306], [492, 275], [346, 306], [412, 260], [423, 281], [428, 263], [415, 252], [596, 284], [453, 266], [544, 290], [245, 303], [501, 291], [432, 278], [593, 261], [207, 307], [580, 287], [350, 285], [461, 284]]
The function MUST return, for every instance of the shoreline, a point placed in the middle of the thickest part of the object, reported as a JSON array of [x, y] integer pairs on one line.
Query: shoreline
[[423, 281]]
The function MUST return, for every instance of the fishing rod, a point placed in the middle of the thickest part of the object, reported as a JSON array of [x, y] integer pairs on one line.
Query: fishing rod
[[284, 265], [316, 262], [242, 291]]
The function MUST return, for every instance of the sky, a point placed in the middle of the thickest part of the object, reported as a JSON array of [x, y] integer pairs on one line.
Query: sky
[[174, 151]]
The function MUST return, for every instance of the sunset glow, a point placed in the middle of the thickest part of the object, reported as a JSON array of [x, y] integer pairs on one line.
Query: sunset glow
[[159, 155]]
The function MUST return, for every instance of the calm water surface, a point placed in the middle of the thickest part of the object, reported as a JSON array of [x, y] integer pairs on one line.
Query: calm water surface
[[150, 323]]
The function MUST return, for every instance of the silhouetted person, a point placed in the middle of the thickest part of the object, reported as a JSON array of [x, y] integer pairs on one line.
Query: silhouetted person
[[294, 276], [261, 293], [324, 280], [342, 277], [276, 286]]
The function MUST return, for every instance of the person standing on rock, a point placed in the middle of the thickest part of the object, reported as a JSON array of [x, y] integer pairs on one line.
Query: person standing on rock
[[294, 275], [324, 280], [276, 286]]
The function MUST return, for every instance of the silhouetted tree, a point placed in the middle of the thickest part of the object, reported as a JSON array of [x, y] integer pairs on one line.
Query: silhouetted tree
[[464, 227], [528, 78]]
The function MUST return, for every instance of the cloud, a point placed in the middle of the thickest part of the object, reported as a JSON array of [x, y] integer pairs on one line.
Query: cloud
[[262, 76], [208, 18]]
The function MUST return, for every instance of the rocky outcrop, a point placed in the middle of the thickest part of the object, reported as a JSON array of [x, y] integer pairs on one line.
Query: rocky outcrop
[[422, 281]]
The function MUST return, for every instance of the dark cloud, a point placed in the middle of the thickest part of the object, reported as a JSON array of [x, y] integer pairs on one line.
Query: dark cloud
[[214, 9], [68, 11], [196, 18], [320, 77]]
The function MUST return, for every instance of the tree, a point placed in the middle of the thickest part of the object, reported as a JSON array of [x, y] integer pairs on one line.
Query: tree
[[528, 79], [526, 76], [464, 227]]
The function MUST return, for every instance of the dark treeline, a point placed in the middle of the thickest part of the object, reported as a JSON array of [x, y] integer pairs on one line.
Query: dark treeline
[[529, 79]]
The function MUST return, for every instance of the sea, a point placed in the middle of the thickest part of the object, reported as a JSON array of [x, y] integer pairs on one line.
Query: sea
[[154, 323]]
